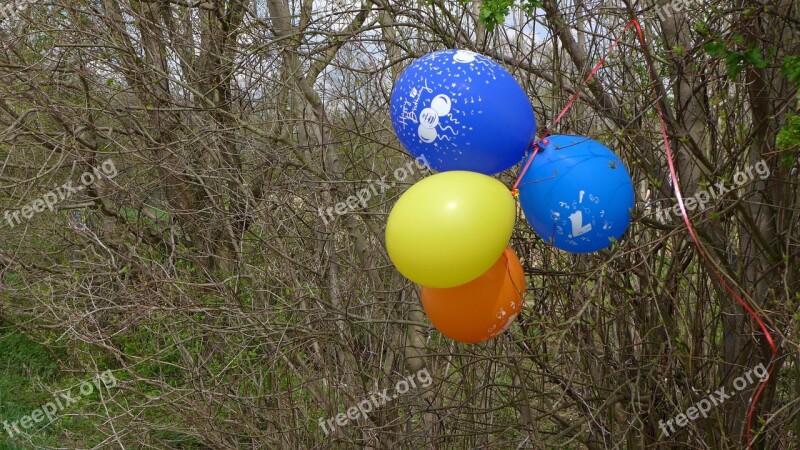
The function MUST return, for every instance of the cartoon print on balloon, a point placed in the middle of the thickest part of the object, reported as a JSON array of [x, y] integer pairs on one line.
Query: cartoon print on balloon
[[494, 330], [464, 56], [578, 227], [581, 220], [471, 58], [507, 325], [441, 106], [429, 119]]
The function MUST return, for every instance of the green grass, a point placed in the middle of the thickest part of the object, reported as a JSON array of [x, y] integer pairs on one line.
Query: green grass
[[24, 365]]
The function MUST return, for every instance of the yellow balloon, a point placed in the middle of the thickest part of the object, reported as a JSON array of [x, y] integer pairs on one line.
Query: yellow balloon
[[450, 228]]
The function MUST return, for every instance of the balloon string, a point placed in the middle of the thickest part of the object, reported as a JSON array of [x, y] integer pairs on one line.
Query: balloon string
[[722, 279], [591, 75], [515, 189], [678, 194], [537, 146]]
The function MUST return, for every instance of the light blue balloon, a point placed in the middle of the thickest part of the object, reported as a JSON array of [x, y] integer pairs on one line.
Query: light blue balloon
[[462, 111], [577, 194]]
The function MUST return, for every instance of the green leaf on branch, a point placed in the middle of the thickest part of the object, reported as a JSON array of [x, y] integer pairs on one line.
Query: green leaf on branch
[[735, 63], [530, 6], [734, 60], [789, 136], [791, 68], [715, 48], [754, 57], [494, 12]]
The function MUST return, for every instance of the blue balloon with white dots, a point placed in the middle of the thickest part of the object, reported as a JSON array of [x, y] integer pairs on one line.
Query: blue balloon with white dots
[[462, 111], [577, 194]]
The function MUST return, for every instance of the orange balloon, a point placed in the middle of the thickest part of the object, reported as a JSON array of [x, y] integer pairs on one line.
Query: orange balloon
[[481, 309]]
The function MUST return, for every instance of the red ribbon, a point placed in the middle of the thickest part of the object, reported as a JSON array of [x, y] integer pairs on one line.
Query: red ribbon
[[723, 279]]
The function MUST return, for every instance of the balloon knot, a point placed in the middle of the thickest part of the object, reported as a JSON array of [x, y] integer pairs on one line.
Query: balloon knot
[[515, 192]]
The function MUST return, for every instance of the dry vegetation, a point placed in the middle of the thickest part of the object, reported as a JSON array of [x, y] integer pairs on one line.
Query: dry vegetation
[[234, 317]]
